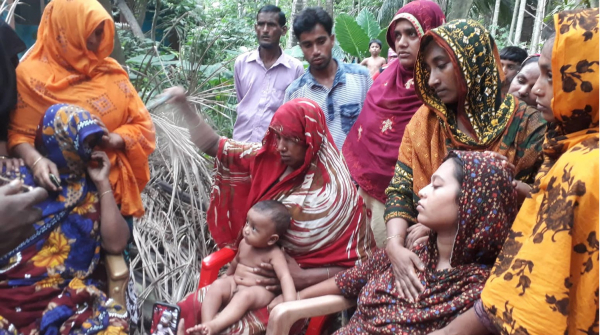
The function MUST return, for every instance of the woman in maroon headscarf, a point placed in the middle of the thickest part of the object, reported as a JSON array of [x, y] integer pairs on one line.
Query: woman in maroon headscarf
[[371, 148]]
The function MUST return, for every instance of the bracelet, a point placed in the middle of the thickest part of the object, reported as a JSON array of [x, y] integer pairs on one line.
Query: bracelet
[[390, 237], [36, 161], [327, 272], [103, 193]]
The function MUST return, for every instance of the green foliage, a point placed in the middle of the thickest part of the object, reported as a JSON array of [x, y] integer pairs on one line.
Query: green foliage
[[354, 35]]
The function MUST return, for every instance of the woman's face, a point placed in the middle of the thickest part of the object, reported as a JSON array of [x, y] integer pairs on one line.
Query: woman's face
[[407, 43], [543, 86], [94, 40], [438, 206], [292, 152], [442, 78], [522, 85]]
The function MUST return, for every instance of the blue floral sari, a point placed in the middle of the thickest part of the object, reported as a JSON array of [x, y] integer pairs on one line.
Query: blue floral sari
[[47, 283]]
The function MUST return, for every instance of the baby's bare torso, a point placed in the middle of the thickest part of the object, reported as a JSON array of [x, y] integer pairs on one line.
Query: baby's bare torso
[[250, 258]]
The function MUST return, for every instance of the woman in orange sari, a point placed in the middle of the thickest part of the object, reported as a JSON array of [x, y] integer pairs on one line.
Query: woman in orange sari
[[69, 64]]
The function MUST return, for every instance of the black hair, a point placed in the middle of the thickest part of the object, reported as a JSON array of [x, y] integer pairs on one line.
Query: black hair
[[375, 41], [513, 54], [529, 60], [459, 171], [273, 9], [277, 212], [550, 40], [308, 19]]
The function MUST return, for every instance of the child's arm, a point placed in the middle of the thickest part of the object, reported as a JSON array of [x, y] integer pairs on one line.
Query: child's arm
[[323, 288], [365, 61], [288, 290]]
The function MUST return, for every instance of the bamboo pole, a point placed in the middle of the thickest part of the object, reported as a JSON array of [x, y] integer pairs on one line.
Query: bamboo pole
[[513, 21], [519, 27], [537, 27]]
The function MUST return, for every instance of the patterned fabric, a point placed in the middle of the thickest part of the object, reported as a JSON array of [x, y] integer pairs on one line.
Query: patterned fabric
[[341, 103], [60, 69], [46, 283], [546, 277], [371, 148], [506, 126], [328, 225], [260, 92], [487, 209]]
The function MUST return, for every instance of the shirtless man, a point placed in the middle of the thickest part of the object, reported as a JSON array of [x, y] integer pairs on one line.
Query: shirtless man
[[375, 62], [237, 290]]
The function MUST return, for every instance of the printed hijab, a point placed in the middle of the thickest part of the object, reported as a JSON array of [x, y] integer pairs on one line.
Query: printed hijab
[[371, 148], [546, 276], [476, 65]]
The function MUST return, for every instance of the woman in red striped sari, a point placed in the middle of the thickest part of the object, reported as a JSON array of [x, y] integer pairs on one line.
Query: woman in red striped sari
[[298, 164]]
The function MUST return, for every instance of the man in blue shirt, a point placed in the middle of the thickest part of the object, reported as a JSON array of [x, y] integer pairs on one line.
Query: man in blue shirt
[[339, 89]]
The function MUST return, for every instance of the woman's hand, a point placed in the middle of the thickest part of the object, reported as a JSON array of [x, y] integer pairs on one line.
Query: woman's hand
[[404, 262], [42, 168], [10, 164], [271, 282], [417, 233], [109, 140], [177, 94], [99, 167], [278, 300]]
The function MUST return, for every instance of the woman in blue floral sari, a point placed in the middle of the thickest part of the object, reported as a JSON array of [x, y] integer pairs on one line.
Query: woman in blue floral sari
[[47, 282]]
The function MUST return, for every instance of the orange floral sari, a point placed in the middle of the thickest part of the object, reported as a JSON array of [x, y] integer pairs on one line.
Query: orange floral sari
[[60, 69]]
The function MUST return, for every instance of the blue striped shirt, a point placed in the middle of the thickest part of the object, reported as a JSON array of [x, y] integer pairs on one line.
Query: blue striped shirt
[[342, 103]]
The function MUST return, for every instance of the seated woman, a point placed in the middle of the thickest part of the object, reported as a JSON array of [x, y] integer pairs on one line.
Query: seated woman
[[522, 85], [298, 164], [70, 64], [459, 79], [545, 280], [469, 207], [46, 277], [371, 147]]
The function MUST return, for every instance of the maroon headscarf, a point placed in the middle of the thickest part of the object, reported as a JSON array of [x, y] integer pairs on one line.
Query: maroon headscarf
[[371, 147]]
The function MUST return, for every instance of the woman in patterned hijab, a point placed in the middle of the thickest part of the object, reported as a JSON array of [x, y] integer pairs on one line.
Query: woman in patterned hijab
[[545, 280], [469, 205], [459, 79]]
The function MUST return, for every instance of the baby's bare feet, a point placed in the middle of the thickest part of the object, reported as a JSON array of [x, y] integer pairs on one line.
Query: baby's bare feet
[[203, 329]]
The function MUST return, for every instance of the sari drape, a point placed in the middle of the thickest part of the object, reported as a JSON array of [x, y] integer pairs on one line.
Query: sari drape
[[504, 125], [546, 277], [60, 69], [47, 283]]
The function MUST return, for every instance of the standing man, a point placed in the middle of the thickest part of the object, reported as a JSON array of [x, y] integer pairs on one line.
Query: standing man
[[339, 89], [262, 75], [511, 59]]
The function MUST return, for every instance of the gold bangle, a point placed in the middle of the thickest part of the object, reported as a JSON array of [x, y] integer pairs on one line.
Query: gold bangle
[[36, 161], [103, 193], [327, 272], [391, 237]]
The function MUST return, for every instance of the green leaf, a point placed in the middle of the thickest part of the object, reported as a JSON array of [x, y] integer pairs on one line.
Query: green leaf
[[384, 45], [352, 38], [367, 21]]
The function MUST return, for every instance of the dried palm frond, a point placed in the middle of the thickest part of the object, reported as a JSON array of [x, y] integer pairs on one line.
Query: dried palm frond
[[9, 7]]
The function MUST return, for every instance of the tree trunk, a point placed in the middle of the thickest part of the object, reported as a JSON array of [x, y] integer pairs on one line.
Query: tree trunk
[[495, 19], [519, 27], [297, 7], [459, 9], [593, 3], [329, 7], [513, 21], [117, 52], [130, 19], [537, 27]]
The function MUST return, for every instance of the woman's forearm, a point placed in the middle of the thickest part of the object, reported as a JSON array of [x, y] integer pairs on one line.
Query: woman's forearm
[[202, 135], [396, 229], [113, 228], [314, 276], [323, 288], [28, 153]]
